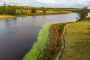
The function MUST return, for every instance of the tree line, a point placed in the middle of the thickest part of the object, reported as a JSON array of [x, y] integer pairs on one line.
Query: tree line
[[12, 9], [7, 10]]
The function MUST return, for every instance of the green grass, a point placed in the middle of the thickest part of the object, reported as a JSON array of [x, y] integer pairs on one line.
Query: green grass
[[39, 46], [77, 41]]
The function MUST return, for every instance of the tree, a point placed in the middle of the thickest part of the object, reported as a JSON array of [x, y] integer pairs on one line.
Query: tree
[[11, 10], [83, 13], [44, 10], [33, 10]]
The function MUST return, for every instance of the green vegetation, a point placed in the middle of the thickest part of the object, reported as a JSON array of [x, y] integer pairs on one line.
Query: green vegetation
[[77, 41], [46, 48], [8, 10], [88, 18], [54, 42], [33, 10], [37, 49], [83, 13], [25, 10]]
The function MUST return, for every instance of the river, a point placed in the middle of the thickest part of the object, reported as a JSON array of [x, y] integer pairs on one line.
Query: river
[[18, 35]]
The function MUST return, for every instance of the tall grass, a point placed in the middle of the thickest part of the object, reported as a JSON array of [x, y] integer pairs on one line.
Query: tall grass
[[39, 46]]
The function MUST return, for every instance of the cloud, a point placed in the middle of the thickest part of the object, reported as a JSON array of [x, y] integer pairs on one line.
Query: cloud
[[49, 3]]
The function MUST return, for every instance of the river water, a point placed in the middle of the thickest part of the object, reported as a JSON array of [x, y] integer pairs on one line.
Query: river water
[[18, 35]]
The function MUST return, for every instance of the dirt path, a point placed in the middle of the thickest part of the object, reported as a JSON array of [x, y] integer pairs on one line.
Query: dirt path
[[59, 55]]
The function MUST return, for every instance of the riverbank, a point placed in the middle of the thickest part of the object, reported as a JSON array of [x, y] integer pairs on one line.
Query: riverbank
[[55, 42], [34, 14], [76, 36], [37, 50], [41, 13], [77, 41], [6, 16], [48, 43], [76, 44]]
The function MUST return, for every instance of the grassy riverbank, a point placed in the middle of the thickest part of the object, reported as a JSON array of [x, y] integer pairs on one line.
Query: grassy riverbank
[[6, 16], [54, 42], [48, 43], [37, 49], [77, 41]]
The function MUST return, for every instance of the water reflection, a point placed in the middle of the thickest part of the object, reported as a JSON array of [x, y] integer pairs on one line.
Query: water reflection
[[10, 22]]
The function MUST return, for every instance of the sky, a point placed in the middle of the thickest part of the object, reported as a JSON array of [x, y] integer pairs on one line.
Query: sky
[[49, 3]]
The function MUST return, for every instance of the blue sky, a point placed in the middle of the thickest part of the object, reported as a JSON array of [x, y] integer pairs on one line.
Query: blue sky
[[48, 3]]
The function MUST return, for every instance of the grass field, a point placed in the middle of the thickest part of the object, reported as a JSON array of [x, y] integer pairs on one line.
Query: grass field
[[77, 41]]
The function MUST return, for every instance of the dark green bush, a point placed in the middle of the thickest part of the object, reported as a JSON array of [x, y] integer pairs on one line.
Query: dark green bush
[[83, 13]]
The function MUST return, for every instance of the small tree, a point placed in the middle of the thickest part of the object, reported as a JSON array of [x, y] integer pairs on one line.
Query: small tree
[[83, 13], [11, 10], [33, 10], [44, 10]]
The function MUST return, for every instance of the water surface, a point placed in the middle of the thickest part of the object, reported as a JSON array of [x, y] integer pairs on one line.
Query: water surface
[[18, 35]]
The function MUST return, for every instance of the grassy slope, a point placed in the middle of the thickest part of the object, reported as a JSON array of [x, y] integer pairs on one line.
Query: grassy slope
[[37, 52], [77, 40], [39, 46]]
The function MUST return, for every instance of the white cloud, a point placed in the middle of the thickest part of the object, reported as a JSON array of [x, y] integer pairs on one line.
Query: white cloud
[[49, 3]]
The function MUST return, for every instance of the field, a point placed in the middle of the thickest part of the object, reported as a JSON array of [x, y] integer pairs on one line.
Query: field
[[77, 41]]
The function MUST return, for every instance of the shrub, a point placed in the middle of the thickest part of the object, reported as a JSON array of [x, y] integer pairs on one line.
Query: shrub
[[83, 13], [33, 10]]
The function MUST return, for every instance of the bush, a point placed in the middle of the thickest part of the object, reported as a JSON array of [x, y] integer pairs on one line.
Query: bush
[[83, 13], [33, 10]]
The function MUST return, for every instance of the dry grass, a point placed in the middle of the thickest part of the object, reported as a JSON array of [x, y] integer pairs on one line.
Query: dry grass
[[6, 16], [40, 12]]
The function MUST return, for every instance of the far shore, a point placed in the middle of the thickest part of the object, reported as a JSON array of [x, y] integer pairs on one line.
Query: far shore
[[6, 16]]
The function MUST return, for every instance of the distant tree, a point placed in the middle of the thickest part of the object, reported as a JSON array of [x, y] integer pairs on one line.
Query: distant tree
[[1, 10], [11, 10], [44, 10], [7, 9], [33, 10], [83, 13]]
